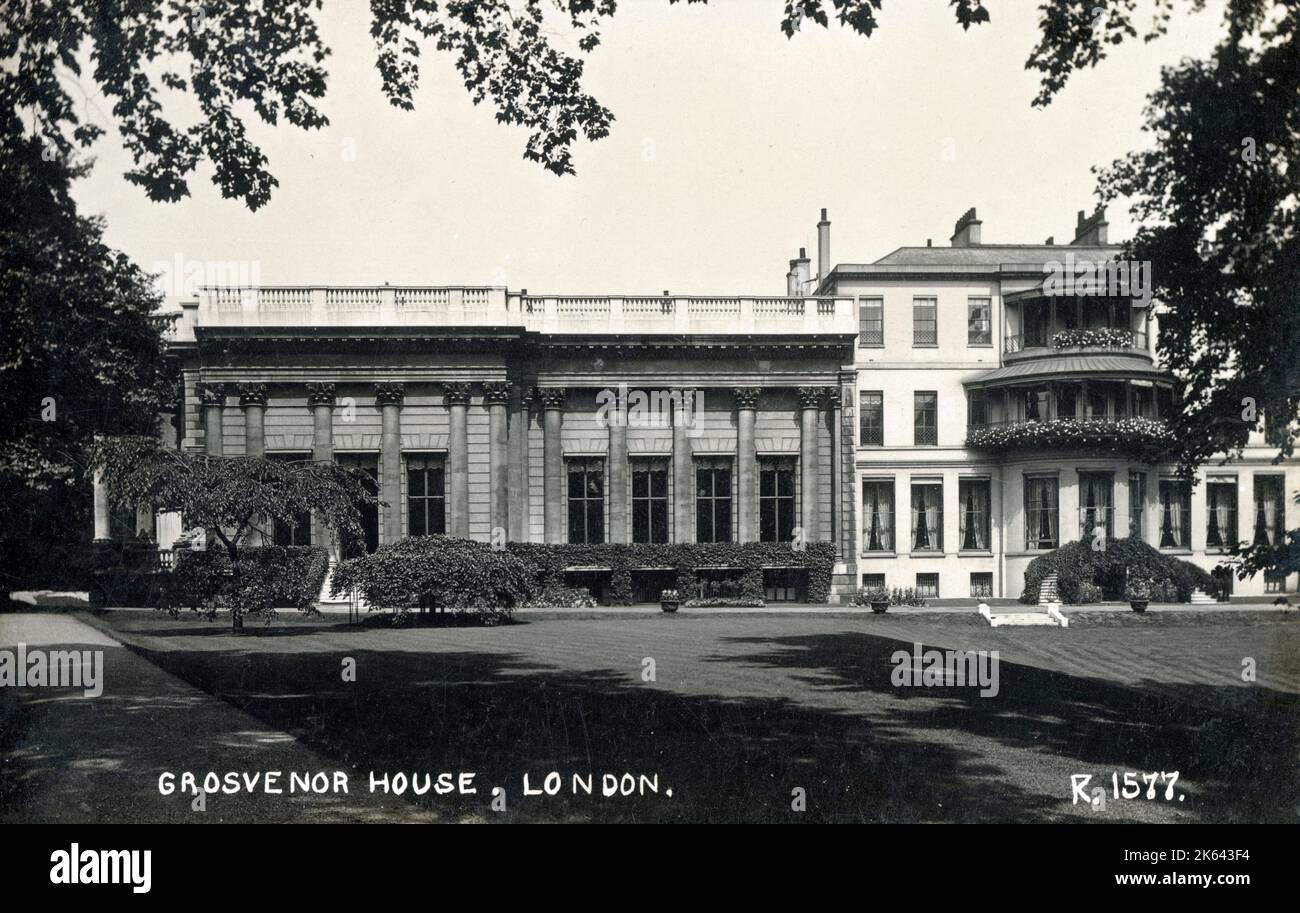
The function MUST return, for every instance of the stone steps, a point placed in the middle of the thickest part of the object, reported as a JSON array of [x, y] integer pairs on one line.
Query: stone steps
[[1047, 591], [1050, 617], [1200, 598]]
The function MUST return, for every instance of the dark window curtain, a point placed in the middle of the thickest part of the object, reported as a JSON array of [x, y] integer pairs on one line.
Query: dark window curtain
[[974, 497]]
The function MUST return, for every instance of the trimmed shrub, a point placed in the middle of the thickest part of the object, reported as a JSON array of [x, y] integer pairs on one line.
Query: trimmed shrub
[[440, 572], [269, 577], [735, 602], [1080, 569], [561, 597]]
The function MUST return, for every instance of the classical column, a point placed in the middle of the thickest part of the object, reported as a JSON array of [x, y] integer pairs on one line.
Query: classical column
[[252, 399], [103, 530], [683, 483], [457, 396], [810, 399], [388, 397], [320, 400], [620, 528], [497, 396], [833, 401], [746, 464], [553, 493], [144, 520], [518, 463], [213, 397]]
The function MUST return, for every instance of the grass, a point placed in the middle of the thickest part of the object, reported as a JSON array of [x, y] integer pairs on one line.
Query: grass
[[742, 711]]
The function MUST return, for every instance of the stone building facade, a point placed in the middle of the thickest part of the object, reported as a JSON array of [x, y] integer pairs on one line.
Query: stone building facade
[[916, 410]]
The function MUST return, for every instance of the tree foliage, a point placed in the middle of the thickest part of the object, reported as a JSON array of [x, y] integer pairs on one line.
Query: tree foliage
[[231, 496], [268, 58], [80, 350]]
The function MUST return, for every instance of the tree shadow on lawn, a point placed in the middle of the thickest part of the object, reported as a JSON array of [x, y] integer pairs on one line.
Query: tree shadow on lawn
[[501, 716], [862, 749], [1235, 748]]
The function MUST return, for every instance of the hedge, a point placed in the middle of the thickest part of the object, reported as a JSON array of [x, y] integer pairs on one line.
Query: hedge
[[439, 572], [269, 577], [1079, 568], [686, 559], [464, 574]]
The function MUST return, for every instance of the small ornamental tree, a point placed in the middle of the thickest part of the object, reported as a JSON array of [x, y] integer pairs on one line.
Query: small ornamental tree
[[230, 497]]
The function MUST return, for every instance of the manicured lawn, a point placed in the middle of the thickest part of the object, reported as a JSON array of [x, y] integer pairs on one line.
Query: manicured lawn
[[744, 710]]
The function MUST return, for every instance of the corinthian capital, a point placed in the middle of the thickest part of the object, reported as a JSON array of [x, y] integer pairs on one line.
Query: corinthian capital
[[456, 394], [252, 395], [552, 397], [320, 395], [746, 397], [389, 393], [496, 393]]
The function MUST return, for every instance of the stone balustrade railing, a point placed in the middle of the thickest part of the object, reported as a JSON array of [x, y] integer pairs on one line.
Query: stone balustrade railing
[[398, 306]]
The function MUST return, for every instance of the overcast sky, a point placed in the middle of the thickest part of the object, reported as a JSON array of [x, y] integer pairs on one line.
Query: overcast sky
[[728, 139]]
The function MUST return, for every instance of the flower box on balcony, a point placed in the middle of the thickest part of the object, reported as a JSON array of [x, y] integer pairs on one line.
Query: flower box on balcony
[[1101, 337], [1139, 437]]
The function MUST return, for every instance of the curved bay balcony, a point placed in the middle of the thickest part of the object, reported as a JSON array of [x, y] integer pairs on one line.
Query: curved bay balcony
[[1111, 404], [1095, 339], [1039, 325]]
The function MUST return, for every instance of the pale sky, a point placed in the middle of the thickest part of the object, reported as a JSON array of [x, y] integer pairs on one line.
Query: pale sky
[[728, 139]]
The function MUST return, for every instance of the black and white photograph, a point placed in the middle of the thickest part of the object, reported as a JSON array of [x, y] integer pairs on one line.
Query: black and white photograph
[[650, 412]]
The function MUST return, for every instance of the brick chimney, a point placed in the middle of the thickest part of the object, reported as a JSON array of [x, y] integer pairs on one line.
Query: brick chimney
[[967, 231], [796, 281], [823, 248], [1091, 230]]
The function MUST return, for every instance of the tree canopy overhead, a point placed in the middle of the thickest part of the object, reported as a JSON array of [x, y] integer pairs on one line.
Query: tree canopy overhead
[[268, 59]]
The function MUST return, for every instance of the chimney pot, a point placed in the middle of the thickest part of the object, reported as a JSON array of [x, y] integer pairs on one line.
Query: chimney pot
[[823, 248], [1091, 230], [966, 233]]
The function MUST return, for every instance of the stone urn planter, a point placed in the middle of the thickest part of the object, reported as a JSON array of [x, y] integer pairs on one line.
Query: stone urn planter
[[669, 601], [876, 597], [1138, 594]]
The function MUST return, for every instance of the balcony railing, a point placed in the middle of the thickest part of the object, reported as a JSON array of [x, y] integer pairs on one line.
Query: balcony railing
[[1133, 436], [1105, 338], [389, 306]]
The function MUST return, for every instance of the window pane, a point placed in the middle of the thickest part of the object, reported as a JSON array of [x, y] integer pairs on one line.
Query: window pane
[[979, 323], [871, 418], [871, 322], [927, 517], [1175, 514], [926, 424], [974, 500], [925, 330], [1221, 514], [878, 516], [1041, 504]]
